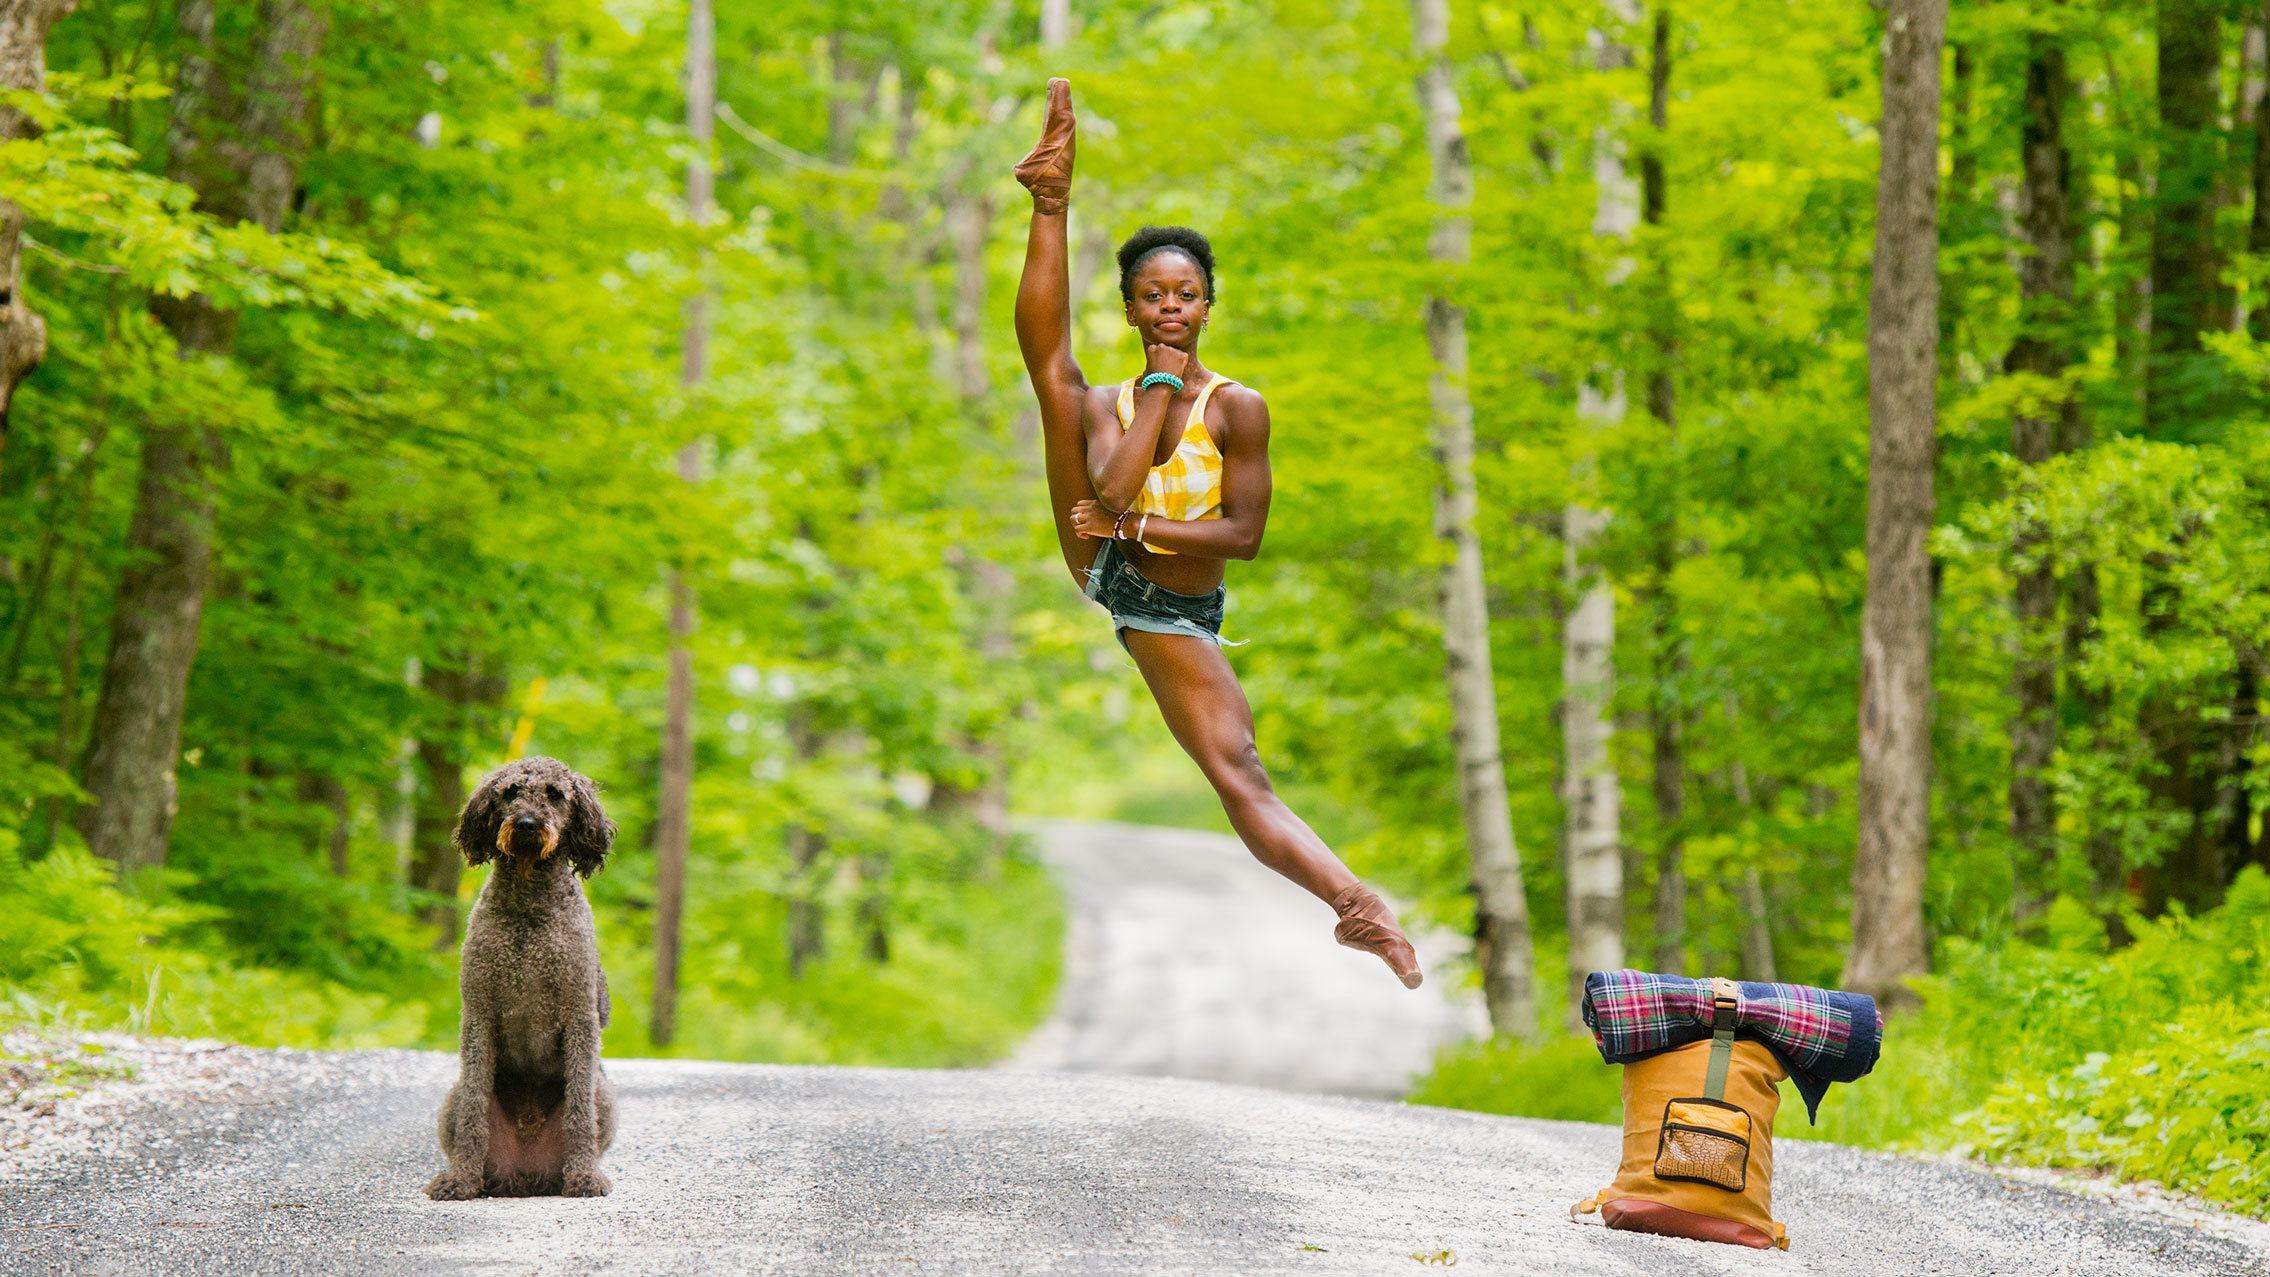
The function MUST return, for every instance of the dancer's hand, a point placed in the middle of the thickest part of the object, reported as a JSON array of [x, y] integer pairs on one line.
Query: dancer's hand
[[1047, 171], [1160, 357], [1093, 520]]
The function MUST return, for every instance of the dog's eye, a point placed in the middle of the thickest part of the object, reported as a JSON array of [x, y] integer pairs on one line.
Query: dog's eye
[[552, 792], [512, 791]]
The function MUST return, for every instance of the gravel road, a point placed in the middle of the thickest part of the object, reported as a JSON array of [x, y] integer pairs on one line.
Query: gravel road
[[312, 1163], [226, 1160], [1186, 958]]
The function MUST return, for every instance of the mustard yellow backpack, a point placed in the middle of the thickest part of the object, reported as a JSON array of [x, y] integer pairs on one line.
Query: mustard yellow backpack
[[1698, 1140]]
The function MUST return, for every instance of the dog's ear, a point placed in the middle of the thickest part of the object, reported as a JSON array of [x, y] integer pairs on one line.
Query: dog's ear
[[477, 825], [589, 834]]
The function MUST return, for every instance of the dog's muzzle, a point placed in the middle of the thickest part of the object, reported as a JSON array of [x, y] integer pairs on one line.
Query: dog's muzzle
[[548, 836]]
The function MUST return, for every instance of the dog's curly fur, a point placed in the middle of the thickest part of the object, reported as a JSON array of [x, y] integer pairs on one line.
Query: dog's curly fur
[[532, 1109]]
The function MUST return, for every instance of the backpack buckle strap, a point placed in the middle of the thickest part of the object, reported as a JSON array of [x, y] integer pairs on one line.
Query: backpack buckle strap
[[1725, 1009]]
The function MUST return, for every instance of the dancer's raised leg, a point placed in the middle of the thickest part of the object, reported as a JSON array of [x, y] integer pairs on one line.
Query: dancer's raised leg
[[1044, 325], [1199, 696]]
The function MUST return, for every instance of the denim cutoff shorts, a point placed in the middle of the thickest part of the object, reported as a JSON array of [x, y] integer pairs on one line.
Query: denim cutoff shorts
[[1137, 603]]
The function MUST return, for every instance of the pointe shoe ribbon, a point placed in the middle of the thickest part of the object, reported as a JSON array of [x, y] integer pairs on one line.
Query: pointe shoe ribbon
[[1366, 923], [1047, 171]]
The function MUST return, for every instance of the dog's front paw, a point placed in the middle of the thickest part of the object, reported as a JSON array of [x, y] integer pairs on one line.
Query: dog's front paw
[[584, 1184], [449, 1186]]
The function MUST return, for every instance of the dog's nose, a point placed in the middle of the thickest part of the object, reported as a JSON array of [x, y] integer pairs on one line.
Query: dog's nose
[[524, 824]]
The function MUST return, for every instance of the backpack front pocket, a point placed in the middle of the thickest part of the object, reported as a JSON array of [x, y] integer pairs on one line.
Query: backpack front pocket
[[1704, 1142]]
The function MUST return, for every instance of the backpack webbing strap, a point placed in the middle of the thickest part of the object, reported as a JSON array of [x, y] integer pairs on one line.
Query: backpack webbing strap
[[1725, 1004]]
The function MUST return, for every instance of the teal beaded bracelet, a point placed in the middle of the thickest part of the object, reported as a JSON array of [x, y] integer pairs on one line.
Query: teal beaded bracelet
[[1161, 379]]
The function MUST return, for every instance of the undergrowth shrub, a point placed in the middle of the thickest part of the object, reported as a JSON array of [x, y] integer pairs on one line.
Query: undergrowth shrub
[[2151, 1061]]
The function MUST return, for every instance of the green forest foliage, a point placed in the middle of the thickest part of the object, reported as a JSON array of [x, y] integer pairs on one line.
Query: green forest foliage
[[454, 407], [450, 420]]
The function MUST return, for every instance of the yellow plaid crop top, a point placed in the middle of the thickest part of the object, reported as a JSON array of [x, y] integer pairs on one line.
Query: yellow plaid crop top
[[1188, 485]]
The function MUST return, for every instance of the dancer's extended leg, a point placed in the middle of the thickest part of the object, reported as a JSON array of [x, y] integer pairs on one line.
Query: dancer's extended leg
[[1044, 326], [1204, 707]]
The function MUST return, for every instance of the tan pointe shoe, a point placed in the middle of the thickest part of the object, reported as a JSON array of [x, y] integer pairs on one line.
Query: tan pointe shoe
[[1047, 172], [1367, 923]]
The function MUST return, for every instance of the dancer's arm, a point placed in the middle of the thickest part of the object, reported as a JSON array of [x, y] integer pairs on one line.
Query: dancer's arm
[[1119, 461], [1245, 492]]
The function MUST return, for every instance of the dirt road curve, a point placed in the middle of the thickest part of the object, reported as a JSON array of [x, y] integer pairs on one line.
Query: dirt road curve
[[1188, 959]]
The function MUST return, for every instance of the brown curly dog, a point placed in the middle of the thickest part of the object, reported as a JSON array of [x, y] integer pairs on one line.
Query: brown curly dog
[[532, 1109]]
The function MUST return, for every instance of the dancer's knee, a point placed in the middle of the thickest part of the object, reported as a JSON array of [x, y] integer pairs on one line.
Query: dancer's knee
[[1237, 774]]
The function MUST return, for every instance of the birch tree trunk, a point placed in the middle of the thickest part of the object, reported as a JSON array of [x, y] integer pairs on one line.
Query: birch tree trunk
[[1501, 909], [24, 25], [2235, 183], [239, 148], [673, 817], [2045, 280], [1055, 23], [1895, 642]]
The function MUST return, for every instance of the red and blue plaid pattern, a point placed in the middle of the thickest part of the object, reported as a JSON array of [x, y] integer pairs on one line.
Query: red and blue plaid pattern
[[1822, 1035]]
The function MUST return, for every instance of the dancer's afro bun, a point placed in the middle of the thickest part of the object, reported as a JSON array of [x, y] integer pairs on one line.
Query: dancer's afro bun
[[1149, 242]]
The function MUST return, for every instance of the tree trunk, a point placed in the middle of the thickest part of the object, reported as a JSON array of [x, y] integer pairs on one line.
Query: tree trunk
[[2186, 292], [2093, 707], [1501, 909], [2242, 153], [67, 691], [24, 25], [2258, 224], [990, 585], [435, 865], [2182, 787], [1591, 795], [2132, 303], [875, 905], [398, 824], [241, 168], [807, 847], [464, 695], [1666, 720], [2250, 819], [325, 792], [2091, 703], [807, 939], [2043, 350], [1055, 23], [1757, 914], [1888, 943], [1962, 213], [673, 816]]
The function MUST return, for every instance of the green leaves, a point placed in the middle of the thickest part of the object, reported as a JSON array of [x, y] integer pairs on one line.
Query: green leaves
[[90, 208]]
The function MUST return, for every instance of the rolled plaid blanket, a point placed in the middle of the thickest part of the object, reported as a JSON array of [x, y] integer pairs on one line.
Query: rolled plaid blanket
[[1821, 1035]]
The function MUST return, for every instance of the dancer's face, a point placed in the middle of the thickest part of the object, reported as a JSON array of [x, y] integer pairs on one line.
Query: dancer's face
[[1169, 305]]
